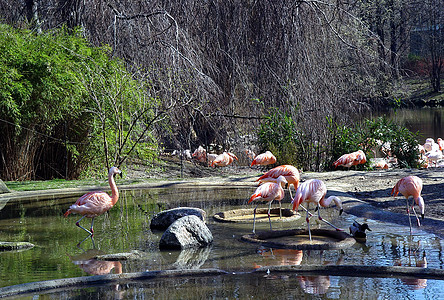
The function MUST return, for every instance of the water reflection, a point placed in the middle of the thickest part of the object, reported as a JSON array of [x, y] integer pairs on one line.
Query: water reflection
[[126, 228], [316, 285], [192, 258], [280, 257], [427, 121], [414, 259], [310, 284], [87, 262]]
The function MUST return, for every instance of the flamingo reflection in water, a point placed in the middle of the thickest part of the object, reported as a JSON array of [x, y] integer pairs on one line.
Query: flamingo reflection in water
[[87, 262], [280, 257], [419, 261], [314, 284]]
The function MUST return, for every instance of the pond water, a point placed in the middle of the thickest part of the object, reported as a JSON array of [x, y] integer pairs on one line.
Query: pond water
[[126, 228], [428, 121]]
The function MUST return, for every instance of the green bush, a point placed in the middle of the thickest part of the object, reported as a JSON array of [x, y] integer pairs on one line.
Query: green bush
[[370, 133], [65, 103], [279, 135]]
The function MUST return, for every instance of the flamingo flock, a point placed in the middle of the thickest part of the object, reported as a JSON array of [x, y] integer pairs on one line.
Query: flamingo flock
[[272, 185]]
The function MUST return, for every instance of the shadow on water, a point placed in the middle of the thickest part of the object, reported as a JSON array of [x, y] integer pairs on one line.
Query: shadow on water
[[126, 229]]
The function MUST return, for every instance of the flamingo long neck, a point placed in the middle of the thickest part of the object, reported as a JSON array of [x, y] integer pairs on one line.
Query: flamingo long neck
[[420, 201], [326, 202], [114, 190]]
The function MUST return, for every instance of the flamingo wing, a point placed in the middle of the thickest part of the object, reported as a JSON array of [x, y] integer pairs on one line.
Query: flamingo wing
[[91, 204], [221, 160], [266, 158], [312, 190], [290, 173], [410, 186], [345, 160], [267, 192]]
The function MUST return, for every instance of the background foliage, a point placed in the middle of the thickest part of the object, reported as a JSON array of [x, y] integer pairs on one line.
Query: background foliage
[[198, 66], [62, 102]]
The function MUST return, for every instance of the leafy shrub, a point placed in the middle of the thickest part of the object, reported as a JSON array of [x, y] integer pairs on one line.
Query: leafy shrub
[[370, 133], [279, 135], [65, 104]]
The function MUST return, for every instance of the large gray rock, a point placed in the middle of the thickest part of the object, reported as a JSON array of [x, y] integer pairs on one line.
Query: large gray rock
[[187, 232], [165, 218]]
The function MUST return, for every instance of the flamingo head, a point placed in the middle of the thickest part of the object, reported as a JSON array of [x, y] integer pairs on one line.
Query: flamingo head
[[115, 171], [337, 201], [282, 181], [232, 155], [420, 202]]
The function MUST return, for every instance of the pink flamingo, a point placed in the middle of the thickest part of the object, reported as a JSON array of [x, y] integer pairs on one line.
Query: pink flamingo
[[268, 191], [290, 173], [264, 159], [224, 159], [94, 204], [351, 159], [314, 191], [411, 186], [200, 154], [250, 154], [440, 143]]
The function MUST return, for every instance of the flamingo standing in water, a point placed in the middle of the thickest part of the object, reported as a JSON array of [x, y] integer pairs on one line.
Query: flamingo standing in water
[[94, 204], [351, 159], [411, 186], [290, 173], [268, 191], [224, 159], [314, 191], [264, 159]]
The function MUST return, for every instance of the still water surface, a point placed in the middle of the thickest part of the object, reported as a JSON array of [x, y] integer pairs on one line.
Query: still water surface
[[126, 228], [428, 121]]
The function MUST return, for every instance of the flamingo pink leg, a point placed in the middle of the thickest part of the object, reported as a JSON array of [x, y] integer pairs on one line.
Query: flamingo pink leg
[[269, 218], [408, 212], [416, 215], [78, 224], [254, 218], [307, 218]]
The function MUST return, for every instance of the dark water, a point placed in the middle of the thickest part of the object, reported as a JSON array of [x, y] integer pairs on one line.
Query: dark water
[[126, 228], [429, 122]]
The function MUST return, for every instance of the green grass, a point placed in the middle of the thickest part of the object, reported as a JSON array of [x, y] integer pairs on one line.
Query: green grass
[[52, 184], [21, 186]]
